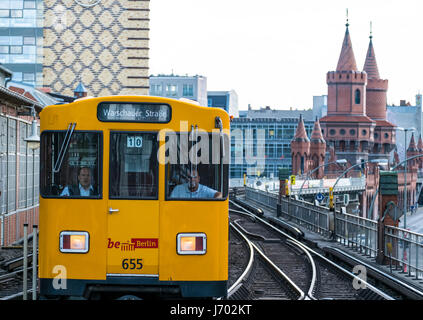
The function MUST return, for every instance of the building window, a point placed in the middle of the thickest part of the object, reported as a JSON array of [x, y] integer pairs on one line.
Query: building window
[[188, 90], [171, 90], [16, 13], [29, 40], [4, 49], [156, 89], [342, 131], [352, 132], [332, 132], [16, 49], [17, 76], [4, 14], [29, 5], [28, 77], [357, 96]]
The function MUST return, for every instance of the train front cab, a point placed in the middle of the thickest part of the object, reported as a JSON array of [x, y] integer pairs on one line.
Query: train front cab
[[132, 233]]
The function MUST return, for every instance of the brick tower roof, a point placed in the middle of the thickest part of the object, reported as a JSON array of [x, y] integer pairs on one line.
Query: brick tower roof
[[420, 144], [346, 60], [316, 135], [370, 66], [301, 134], [412, 146]]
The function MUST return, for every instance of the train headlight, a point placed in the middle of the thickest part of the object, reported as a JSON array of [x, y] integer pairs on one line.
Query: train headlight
[[191, 243], [74, 241]]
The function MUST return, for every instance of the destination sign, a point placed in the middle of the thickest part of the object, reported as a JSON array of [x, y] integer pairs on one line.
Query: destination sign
[[133, 112]]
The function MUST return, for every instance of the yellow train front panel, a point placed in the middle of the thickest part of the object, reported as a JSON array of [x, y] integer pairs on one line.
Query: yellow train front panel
[[133, 237], [124, 229]]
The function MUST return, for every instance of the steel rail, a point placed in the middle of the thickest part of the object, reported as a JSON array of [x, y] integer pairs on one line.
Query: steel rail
[[313, 268], [247, 270], [352, 275], [302, 295], [394, 279], [279, 271]]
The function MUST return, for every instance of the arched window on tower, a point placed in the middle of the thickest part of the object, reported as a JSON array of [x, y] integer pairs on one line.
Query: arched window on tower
[[357, 96]]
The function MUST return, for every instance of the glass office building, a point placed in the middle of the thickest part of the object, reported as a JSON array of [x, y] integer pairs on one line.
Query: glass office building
[[21, 39], [277, 130]]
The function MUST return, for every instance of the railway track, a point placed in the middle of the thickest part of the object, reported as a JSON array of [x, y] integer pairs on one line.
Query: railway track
[[262, 278], [314, 275], [11, 274]]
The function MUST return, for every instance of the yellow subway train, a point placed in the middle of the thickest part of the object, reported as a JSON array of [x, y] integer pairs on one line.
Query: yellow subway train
[[133, 199]]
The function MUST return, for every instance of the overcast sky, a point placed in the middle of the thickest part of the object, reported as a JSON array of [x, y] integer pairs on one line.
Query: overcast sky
[[277, 52]]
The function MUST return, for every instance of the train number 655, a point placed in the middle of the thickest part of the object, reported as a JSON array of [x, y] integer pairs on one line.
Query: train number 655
[[132, 264]]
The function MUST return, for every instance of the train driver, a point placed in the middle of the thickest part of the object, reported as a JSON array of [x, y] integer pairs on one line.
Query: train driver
[[84, 187], [193, 188]]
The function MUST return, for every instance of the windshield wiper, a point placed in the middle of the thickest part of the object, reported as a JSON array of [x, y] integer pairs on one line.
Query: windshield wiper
[[64, 147]]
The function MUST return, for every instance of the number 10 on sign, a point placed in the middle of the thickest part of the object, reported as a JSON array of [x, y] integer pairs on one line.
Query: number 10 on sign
[[134, 142]]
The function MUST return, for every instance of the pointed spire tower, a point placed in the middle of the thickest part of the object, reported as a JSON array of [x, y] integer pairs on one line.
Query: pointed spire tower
[[420, 149], [346, 85], [412, 151], [346, 60], [300, 148], [317, 149], [376, 88], [384, 132], [346, 127]]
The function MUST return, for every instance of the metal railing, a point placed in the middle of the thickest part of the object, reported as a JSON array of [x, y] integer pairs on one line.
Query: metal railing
[[314, 218], [357, 233], [270, 200], [353, 231], [404, 250]]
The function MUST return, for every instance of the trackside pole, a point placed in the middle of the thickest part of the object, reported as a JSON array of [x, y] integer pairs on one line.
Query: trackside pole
[[25, 263], [34, 262]]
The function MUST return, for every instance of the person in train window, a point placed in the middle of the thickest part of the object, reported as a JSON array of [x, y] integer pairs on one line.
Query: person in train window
[[84, 187], [193, 188]]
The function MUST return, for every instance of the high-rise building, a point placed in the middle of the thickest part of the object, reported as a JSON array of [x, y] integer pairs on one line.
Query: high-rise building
[[21, 39], [102, 43]]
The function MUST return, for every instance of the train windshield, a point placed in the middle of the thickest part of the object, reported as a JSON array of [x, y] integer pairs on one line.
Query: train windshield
[[196, 166], [133, 165], [71, 164]]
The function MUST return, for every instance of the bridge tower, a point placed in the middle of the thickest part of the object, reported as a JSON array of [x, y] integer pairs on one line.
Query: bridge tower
[[317, 150], [300, 149], [384, 132], [346, 127]]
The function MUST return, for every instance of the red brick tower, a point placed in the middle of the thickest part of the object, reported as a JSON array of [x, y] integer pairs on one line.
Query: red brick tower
[[384, 132], [317, 150], [412, 151], [300, 148], [347, 127], [420, 149]]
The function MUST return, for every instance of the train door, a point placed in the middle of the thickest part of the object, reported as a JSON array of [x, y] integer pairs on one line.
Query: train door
[[133, 206]]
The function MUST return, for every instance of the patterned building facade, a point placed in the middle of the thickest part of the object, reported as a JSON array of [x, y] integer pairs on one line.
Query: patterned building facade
[[102, 43]]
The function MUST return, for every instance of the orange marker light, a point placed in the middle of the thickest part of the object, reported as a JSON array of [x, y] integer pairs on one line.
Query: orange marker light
[[191, 243], [74, 242]]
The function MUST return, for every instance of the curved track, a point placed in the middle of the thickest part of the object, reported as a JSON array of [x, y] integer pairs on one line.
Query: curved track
[[314, 274]]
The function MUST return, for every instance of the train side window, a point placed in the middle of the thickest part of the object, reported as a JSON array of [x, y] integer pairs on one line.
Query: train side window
[[71, 170], [133, 165], [194, 168]]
